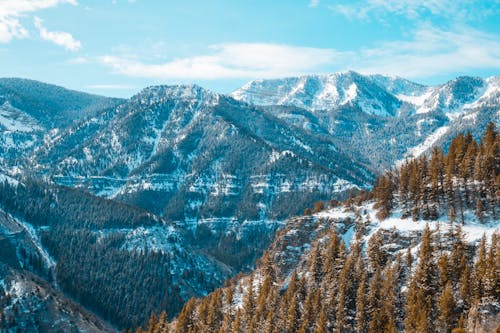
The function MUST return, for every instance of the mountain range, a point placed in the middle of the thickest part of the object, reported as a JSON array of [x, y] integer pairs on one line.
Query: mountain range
[[212, 175]]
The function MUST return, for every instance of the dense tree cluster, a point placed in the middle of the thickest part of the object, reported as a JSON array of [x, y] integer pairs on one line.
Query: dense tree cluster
[[467, 177], [121, 286], [343, 290]]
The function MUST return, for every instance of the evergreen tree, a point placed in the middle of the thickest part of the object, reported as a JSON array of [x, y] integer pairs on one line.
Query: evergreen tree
[[447, 309]]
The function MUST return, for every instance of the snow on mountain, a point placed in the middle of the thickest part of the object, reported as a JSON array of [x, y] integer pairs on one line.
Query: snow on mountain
[[36, 306], [320, 92], [398, 117], [14, 120], [31, 110], [167, 141]]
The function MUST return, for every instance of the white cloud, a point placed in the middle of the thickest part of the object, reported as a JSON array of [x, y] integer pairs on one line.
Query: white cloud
[[313, 3], [431, 52], [240, 60], [60, 38], [12, 10], [428, 52], [79, 60]]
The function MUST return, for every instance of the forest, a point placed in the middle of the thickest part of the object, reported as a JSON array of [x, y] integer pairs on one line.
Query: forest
[[448, 285]]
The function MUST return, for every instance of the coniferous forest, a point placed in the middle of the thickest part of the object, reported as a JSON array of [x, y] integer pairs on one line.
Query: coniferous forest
[[443, 285]]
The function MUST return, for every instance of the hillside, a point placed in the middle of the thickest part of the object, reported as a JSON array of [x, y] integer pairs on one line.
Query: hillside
[[31, 111], [116, 260], [358, 267], [128, 207], [221, 169]]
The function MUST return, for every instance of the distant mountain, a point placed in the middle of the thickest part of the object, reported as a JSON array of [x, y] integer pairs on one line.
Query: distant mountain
[[30, 110], [322, 92], [397, 117]]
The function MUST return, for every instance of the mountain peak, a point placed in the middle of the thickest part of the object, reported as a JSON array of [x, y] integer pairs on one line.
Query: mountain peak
[[321, 92], [161, 93]]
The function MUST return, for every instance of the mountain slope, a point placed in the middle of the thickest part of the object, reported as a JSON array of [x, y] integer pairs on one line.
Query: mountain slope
[[31, 110], [219, 167], [357, 268], [116, 260], [398, 117]]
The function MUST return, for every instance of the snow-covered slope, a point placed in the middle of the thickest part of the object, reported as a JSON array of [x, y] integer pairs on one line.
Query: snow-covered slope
[[397, 117], [31, 110], [321, 92], [188, 153]]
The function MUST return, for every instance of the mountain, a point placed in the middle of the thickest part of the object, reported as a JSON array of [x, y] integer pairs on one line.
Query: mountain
[[399, 118], [133, 206], [31, 110], [353, 267], [217, 166], [321, 92], [118, 261]]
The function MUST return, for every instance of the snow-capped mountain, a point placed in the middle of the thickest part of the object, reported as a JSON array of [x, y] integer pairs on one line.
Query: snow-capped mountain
[[190, 154], [321, 92], [217, 175], [398, 117]]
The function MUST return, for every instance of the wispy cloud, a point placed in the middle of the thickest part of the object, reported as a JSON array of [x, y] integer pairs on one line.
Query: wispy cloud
[[428, 52], [79, 60], [11, 11], [455, 10], [61, 38], [313, 3], [432, 51], [240, 60]]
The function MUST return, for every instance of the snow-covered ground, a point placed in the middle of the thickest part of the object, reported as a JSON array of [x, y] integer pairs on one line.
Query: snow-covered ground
[[473, 229]]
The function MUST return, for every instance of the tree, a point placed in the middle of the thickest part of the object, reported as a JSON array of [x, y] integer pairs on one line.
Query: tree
[[361, 305], [421, 303], [322, 324], [447, 309]]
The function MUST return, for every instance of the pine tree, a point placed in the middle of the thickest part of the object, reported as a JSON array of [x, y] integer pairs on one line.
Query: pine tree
[[479, 270], [322, 324], [316, 267], [162, 324], [375, 301], [185, 321], [237, 327], [420, 305], [152, 323], [293, 316], [361, 305], [249, 300], [447, 309]]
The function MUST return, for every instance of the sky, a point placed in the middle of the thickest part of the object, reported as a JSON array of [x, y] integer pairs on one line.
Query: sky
[[118, 47]]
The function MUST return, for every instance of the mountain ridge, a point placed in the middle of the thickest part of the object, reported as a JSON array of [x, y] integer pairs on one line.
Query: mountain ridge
[[224, 175]]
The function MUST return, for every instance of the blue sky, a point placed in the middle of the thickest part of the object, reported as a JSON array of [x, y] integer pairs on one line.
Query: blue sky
[[117, 47]]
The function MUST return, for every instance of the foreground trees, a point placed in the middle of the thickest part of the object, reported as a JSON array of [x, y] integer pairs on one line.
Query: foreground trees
[[356, 294], [467, 177]]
